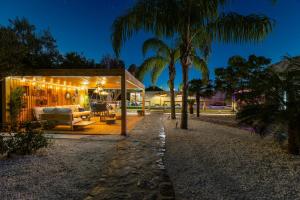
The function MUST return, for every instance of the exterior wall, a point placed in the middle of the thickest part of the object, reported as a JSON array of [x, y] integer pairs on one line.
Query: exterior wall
[[42, 94], [161, 99]]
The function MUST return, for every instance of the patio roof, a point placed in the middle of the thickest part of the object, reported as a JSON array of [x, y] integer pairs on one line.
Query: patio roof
[[89, 74]]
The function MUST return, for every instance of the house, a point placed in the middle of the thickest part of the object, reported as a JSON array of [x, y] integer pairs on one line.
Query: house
[[78, 97], [156, 97]]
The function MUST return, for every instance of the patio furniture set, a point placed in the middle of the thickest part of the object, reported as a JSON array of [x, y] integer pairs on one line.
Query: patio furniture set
[[75, 116]]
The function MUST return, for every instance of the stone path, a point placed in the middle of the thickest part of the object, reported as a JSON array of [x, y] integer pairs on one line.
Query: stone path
[[137, 171]]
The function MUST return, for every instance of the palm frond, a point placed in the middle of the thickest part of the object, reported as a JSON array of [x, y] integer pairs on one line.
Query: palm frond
[[157, 70], [149, 64], [201, 65], [233, 27], [156, 45], [148, 15]]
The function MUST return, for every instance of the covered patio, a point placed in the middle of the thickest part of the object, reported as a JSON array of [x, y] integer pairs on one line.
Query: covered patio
[[79, 100]]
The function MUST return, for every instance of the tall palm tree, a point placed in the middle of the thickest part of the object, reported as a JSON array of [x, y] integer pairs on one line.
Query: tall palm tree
[[165, 56], [200, 89], [196, 22]]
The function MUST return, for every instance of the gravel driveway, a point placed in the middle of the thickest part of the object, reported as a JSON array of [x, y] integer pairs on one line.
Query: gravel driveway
[[219, 162], [67, 170]]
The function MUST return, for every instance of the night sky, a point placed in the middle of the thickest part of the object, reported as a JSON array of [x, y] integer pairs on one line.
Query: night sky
[[85, 26]]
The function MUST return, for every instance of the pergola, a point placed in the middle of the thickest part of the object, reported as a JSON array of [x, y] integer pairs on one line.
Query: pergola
[[127, 81]]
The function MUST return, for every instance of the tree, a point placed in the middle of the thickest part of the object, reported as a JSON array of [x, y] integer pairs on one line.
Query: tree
[[165, 57], [133, 69], [200, 89], [273, 100], [74, 59], [40, 49], [111, 62], [196, 23], [234, 78], [49, 53], [21, 46], [11, 52]]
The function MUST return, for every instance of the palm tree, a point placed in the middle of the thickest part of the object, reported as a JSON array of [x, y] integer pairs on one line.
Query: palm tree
[[165, 56], [272, 103], [200, 89], [196, 23]]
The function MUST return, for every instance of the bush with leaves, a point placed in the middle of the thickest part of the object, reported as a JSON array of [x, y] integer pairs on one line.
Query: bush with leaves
[[3, 145], [24, 142], [27, 143], [272, 103]]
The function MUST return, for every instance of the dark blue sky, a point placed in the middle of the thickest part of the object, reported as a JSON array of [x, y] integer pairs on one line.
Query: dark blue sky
[[85, 26]]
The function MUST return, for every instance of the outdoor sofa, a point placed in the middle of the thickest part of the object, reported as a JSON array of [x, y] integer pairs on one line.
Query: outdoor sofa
[[71, 115]]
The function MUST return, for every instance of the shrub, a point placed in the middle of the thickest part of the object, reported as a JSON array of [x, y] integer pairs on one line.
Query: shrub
[[24, 142], [28, 143], [3, 146]]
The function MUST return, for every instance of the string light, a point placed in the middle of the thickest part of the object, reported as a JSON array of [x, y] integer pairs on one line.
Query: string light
[[44, 83]]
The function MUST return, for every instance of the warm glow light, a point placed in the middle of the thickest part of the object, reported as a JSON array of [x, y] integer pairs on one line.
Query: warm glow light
[[49, 84], [104, 93], [103, 82]]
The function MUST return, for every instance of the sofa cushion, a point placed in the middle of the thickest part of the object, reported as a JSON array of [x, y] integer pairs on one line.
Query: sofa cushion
[[49, 110], [63, 110]]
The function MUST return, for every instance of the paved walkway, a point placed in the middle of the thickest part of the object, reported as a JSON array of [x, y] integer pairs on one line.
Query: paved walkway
[[137, 171]]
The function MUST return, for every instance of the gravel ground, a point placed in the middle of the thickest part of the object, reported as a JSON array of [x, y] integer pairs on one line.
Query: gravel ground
[[212, 161], [228, 120], [67, 170]]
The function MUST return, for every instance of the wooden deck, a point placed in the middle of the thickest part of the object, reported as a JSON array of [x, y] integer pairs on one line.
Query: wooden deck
[[98, 128]]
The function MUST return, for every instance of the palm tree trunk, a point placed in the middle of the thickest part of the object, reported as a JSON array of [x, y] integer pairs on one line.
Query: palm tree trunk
[[186, 60], [172, 74], [198, 105], [191, 108], [184, 113]]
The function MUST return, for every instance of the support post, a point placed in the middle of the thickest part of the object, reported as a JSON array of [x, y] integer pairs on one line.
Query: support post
[[143, 101], [123, 104], [3, 100]]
